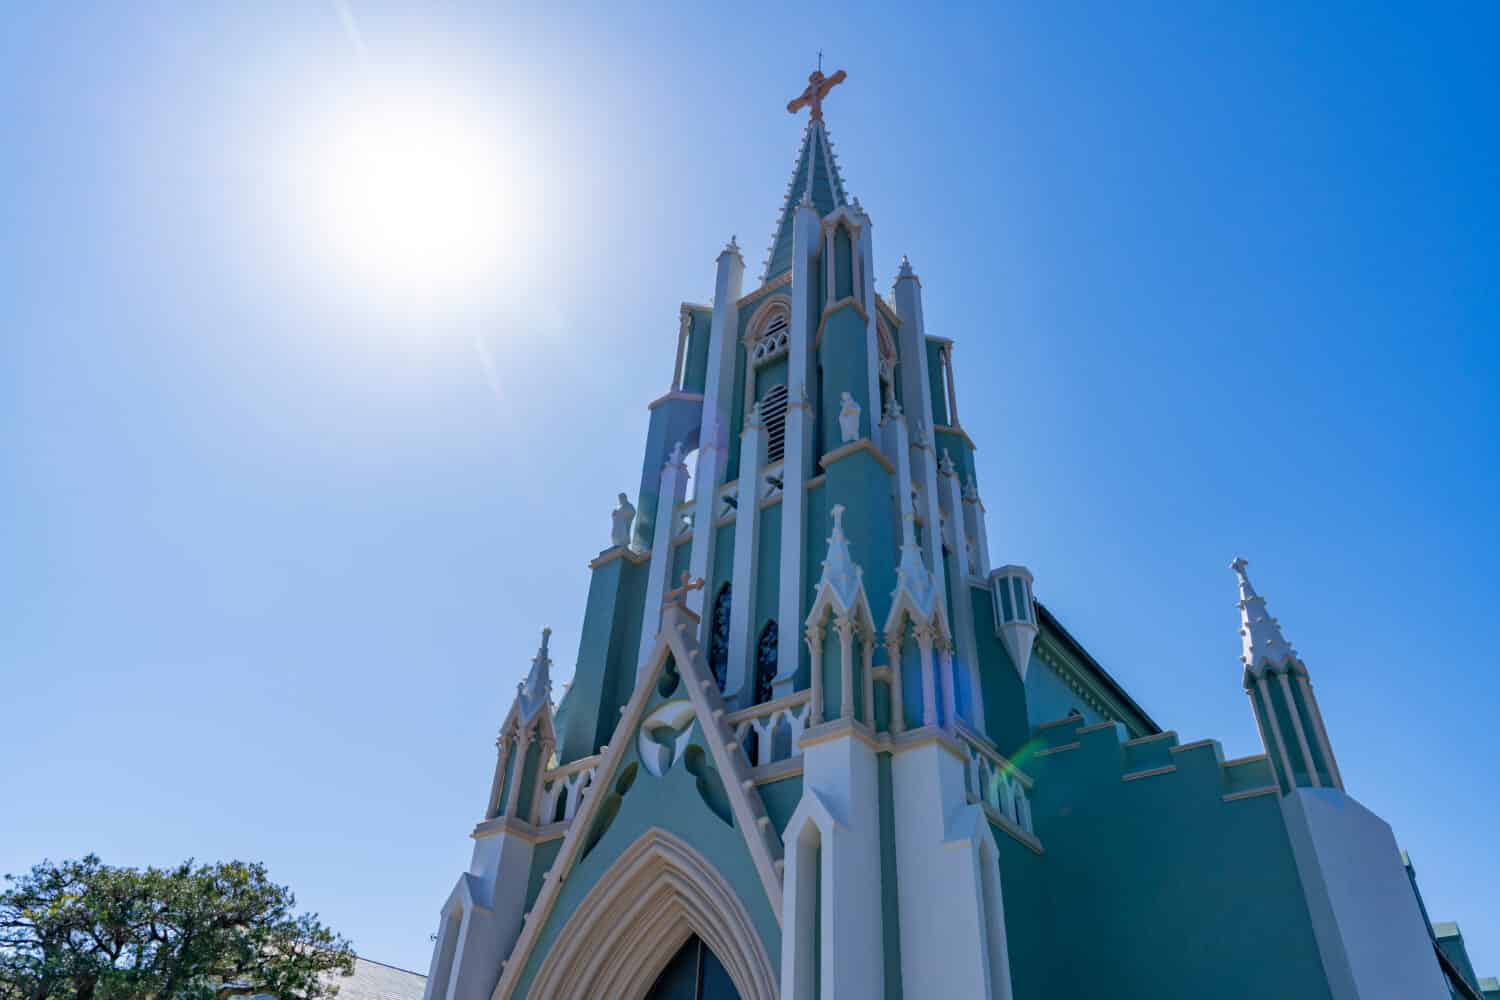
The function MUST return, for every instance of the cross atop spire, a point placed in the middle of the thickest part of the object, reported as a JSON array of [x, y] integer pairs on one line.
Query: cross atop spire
[[815, 179], [818, 87]]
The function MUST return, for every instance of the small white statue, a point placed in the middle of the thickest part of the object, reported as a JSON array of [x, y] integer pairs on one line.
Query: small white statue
[[848, 418], [623, 516]]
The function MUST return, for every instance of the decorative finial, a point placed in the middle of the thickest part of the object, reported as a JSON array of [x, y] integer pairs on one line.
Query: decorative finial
[[818, 87], [905, 271], [971, 491], [676, 457], [840, 572], [946, 466], [755, 417], [546, 638]]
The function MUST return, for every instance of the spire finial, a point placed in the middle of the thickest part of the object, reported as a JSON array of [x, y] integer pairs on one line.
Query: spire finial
[[818, 87]]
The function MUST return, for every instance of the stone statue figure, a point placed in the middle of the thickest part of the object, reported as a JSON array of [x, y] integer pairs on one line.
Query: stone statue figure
[[848, 418], [622, 518]]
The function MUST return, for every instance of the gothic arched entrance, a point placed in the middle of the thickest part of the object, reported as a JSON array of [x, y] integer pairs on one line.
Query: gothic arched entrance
[[694, 973], [660, 904]]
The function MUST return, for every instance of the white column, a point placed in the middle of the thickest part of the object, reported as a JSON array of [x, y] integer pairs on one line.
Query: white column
[[898, 701], [952, 393], [669, 495], [843, 625], [815, 653], [1279, 751], [1322, 731], [739, 684], [945, 675], [864, 256], [1291, 708], [962, 620], [713, 439], [974, 525], [502, 758], [517, 772], [923, 634], [945, 937], [797, 458]]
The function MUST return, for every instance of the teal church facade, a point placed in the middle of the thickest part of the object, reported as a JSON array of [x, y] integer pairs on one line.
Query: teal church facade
[[817, 746]]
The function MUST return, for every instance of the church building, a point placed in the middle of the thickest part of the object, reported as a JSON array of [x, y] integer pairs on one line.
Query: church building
[[819, 745]]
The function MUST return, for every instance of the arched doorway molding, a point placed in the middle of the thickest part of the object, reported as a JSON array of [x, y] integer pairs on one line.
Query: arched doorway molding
[[652, 900]]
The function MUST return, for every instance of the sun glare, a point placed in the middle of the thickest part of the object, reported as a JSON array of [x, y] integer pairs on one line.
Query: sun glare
[[418, 195]]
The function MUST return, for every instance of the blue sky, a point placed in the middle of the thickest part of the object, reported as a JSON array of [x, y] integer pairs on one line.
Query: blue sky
[[285, 499]]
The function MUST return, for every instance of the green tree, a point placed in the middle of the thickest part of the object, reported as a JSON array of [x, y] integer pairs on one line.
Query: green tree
[[82, 930]]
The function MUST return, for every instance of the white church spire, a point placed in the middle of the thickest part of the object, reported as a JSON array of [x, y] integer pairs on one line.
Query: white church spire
[[1263, 644]]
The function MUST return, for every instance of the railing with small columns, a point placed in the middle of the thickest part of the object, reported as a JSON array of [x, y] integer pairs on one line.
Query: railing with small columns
[[566, 784], [771, 731], [995, 781]]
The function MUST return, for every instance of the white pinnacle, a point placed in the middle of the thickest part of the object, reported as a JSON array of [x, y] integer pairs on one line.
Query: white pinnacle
[[912, 575], [840, 573], [1263, 644], [536, 690]]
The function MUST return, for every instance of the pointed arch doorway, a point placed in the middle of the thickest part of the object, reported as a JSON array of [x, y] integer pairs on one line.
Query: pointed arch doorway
[[655, 907], [694, 973]]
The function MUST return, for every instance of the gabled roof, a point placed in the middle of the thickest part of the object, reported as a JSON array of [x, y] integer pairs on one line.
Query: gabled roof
[[675, 641], [815, 179]]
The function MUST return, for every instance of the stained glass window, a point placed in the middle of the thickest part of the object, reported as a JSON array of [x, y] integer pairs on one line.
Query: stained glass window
[[765, 662], [718, 640]]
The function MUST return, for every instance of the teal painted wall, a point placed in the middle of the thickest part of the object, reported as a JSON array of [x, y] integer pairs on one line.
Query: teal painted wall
[[1162, 890], [1007, 715], [936, 386]]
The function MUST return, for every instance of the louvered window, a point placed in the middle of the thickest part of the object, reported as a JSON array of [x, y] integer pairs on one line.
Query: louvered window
[[773, 416]]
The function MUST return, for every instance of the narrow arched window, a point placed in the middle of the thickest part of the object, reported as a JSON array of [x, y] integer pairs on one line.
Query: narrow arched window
[[765, 662], [718, 640]]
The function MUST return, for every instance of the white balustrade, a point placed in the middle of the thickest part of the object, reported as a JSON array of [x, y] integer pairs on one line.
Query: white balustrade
[[996, 782], [776, 726], [567, 783]]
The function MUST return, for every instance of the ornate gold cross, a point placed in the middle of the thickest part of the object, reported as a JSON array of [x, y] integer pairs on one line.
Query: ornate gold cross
[[818, 87]]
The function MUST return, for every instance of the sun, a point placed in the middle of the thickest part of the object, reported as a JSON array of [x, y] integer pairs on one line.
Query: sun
[[417, 193]]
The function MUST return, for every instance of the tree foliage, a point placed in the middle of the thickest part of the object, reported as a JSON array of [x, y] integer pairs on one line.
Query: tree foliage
[[82, 930]]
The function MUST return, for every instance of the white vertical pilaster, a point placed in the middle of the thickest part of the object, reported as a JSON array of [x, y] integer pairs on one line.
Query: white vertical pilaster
[[739, 684], [673, 488], [797, 457], [975, 527], [864, 259], [946, 940], [713, 439], [1291, 709], [1278, 752], [1317, 720], [916, 388], [962, 618]]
